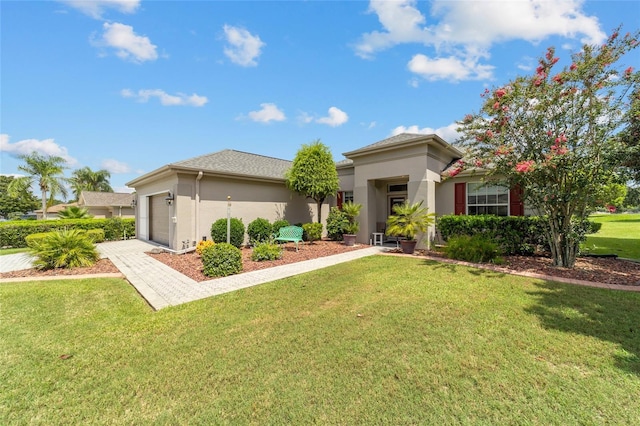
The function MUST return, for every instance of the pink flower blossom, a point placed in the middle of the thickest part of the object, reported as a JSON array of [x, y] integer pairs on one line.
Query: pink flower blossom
[[479, 163], [555, 60], [537, 82], [628, 71], [573, 67], [558, 79], [549, 133], [454, 172], [496, 105], [500, 93], [489, 133], [525, 166]]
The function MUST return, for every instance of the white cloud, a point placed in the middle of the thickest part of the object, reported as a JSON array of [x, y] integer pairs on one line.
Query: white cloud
[[451, 68], [29, 146], [336, 117], [95, 8], [244, 48], [464, 31], [448, 133], [115, 166], [128, 45], [269, 112], [304, 118], [166, 99], [123, 189]]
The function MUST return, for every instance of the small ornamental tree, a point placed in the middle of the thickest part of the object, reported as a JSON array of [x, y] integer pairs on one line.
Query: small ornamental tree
[[551, 134], [313, 173]]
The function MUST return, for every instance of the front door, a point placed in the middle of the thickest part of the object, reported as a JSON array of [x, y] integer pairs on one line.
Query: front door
[[395, 200]]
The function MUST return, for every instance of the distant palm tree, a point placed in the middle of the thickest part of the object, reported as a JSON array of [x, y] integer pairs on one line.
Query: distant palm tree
[[74, 212], [45, 171], [85, 179]]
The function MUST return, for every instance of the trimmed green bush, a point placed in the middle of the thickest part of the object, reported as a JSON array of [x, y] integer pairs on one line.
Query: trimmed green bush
[[266, 251], [280, 223], [259, 231], [34, 239], [13, 233], [313, 231], [513, 234], [219, 231], [96, 235], [476, 249], [337, 222], [64, 249], [221, 260]]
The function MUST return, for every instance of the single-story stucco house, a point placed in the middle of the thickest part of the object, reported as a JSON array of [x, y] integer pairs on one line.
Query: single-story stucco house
[[103, 205], [177, 203]]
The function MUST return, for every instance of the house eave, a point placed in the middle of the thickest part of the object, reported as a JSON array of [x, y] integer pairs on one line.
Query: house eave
[[426, 139]]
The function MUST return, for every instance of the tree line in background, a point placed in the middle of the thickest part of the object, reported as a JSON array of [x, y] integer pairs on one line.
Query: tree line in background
[[46, 173]]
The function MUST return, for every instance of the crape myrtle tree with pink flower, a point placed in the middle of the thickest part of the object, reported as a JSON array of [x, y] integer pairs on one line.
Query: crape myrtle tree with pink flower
[[553, 135]]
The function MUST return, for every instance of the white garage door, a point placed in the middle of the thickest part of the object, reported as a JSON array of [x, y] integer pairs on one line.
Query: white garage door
[[159, 220]]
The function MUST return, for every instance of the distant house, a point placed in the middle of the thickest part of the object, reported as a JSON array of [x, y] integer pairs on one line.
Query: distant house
[[179, 201], [107, 204], [52, 212]]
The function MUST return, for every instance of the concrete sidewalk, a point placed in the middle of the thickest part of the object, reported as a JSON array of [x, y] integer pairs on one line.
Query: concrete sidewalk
[[162, 286]]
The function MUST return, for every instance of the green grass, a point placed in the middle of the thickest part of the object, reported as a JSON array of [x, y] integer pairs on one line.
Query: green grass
[[382, 340], [620, 235], [13, 251]]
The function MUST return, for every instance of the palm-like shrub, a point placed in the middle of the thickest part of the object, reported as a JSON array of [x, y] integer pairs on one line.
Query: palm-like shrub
[[351, 211], [409, 219], [74, 212], [64, 249]]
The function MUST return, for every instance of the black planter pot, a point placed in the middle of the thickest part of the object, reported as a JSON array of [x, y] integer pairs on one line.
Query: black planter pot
[[349, 239], [408, 246]]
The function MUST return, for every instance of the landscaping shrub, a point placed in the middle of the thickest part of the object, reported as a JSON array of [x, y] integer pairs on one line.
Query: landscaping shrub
[[219, 231], [259, 230], [477, 249], [266, 251], [34, 239], [221, 260], [13, 234], [337, 221], [513, 234], [280, 223], [202, 244], [96, 235], [313, 231], [64, 249]]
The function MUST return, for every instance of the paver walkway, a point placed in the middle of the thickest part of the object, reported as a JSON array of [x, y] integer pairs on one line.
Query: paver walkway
[[162, 286]]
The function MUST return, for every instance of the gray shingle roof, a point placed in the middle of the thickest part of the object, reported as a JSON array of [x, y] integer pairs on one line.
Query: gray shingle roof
[[238, 163], [96, 199], [402, 137]]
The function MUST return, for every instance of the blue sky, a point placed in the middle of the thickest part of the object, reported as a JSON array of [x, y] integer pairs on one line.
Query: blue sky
[[130, 86]]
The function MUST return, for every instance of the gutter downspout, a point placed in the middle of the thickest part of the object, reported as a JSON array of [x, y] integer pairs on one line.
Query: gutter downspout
[[197, 212]]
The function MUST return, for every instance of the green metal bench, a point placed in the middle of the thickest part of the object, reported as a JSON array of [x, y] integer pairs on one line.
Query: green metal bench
[[290, 233]]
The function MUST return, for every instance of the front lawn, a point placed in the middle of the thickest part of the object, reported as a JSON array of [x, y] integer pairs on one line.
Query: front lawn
[[620, 234], [381, 340]]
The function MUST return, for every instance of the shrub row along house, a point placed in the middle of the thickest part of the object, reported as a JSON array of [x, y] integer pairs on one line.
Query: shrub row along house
[[178, 202]]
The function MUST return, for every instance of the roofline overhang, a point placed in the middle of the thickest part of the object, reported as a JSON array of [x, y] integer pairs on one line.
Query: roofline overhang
[[168, 169], [428, 139]]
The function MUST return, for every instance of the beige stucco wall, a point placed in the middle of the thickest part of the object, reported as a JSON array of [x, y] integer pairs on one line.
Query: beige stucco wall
[[418, 166], [250, 199]]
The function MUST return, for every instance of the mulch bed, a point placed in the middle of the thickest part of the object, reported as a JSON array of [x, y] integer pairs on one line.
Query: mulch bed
[[190, 264], [102, 266]]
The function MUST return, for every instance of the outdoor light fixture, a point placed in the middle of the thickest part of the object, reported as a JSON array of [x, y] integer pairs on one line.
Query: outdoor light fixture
[[134, 203], [169, 199]]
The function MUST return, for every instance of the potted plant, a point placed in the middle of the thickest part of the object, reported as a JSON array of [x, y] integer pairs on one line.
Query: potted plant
[[351, 228], [407, 221]]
